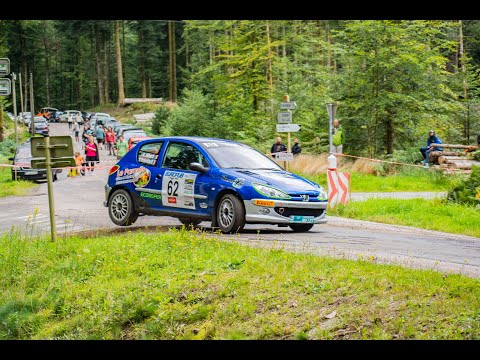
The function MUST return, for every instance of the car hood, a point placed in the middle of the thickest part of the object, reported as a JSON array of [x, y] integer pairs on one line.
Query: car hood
[[283, 180]]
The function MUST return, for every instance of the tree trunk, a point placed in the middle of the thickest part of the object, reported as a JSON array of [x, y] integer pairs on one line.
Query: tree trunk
[[449, 159], [269, 61], [25, 84], [124, 65], [2, 129], [121, 92], [390, 134], [172, 93], [464, 164], [327, 38], [105, 72], [466, 126], [99, 66], [284, 56], [47, 67], [149, 87], [21, 96]]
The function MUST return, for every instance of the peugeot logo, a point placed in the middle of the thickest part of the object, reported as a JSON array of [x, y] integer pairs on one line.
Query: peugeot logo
[[304, 197]]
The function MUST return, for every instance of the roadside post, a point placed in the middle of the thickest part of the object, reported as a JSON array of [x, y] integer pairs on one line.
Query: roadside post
[[5, 90], [51, 152], [284, 119], [338, 183], [14, 78]]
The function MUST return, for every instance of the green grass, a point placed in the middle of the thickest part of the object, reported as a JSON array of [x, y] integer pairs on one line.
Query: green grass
[[9, 187], [420, 213], [186, 285], [414, 181]]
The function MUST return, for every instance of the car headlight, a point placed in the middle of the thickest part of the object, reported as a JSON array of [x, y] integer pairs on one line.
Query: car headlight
[[270, 191], [323, 194]]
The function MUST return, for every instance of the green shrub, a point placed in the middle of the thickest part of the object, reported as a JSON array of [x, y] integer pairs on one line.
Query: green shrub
[[7, 147], [467, 191], [476, 155], [160, 119]]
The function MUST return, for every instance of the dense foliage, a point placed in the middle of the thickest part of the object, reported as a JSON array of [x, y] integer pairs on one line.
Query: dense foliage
[[467, 191], [393, 80]]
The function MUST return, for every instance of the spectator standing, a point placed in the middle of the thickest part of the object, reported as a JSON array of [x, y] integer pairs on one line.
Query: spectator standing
[[296, 148], [110, 141], [91, 154], [70, 121], [76, 131], [337, 137], [100, 135], [122, 147], [426, 150], [278, 146]]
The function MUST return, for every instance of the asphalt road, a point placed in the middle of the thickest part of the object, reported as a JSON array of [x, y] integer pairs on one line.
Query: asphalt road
[[79, 207]]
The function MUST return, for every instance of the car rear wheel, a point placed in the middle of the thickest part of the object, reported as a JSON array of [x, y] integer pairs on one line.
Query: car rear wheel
[[190, 222], [230, 214], [300, 227], [120, 208]]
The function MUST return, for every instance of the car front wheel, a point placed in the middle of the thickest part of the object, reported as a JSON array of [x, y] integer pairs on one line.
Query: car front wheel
[[120, 208], [230, 214], [300, 227]]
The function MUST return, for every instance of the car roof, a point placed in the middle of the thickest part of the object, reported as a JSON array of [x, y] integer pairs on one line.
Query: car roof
[[195, 139]]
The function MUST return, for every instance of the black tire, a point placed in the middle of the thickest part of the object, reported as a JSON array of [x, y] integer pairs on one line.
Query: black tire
[[230, 214], [54, 177], [190, 223], [120, 208], [300, 227]]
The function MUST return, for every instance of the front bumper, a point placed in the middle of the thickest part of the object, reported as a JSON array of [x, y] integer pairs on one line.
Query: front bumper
[[107, 193], [285, 212]]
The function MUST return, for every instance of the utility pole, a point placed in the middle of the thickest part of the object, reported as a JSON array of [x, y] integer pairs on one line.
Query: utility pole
[[21, 96], [14, 77], [32, 107]]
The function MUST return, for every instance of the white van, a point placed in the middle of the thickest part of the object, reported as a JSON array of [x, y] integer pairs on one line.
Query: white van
[[67, 113]]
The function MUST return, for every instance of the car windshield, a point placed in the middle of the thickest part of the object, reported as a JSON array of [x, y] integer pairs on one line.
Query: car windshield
[[238, 156]]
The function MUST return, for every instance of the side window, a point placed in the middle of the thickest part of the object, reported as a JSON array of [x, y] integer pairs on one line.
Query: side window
[[148, 153], [180, 155]]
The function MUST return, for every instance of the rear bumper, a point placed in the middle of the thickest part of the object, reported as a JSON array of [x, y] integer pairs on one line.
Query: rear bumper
[[33, 174], [107, 194]]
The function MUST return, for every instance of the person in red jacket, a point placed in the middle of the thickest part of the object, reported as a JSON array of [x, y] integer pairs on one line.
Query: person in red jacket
[[110, 141]]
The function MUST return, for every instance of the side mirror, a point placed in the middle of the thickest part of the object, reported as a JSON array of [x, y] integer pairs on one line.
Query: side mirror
[[11, 158], [195, 166]]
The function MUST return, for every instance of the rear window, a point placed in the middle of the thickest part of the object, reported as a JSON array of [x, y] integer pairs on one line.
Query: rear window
[[148, 153]]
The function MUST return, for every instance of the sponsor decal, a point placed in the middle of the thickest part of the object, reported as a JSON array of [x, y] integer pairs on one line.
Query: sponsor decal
[[178, 189], [238, 183], [150, 195], [260, 202], [114, 169], [127, 175], [203, 205], [210, 144], [142, 178], [226, 178]]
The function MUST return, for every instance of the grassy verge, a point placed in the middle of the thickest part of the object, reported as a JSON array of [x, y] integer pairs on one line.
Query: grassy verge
[[420, 213], [9, 187], [414, 181], [185, 285]]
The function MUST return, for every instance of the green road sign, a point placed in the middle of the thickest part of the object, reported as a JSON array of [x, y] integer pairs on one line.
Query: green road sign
[[60, 146], [5, 87], [4, 67], [41, 163]]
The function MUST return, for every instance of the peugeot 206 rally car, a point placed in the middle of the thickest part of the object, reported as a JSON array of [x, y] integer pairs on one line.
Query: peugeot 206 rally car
[[199, 179]]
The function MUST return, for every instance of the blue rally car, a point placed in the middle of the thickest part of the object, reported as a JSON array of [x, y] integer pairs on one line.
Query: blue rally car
[[199, 179]]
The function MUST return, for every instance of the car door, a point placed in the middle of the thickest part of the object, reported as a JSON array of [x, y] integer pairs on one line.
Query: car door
[[184, 190], [147, 178]]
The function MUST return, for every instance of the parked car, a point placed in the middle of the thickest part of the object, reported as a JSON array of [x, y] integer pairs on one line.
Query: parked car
[[57, 116], [127, 135], [86, 115], [117, 128], [134, 140], [199, 179], [26, 116], [23, 167], [122, 130], [40, 125], [49, 113], [67, 113]]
